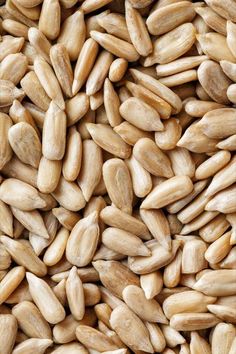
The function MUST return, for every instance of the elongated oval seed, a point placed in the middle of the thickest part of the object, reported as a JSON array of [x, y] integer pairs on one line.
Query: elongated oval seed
[[94, 339], [24, 255], [5, 147], [152, 158], [140, 114], [84, 236], [130, 329], [9, 92], [31, 321], [172, 45], [115, 45], [118, 184], [124, 242], [13, 67], [147, 310], [169, 191], [91, 159], [159, 258], [168, 17], [141, 178], [20, 195], [8, 332], [49, 172], [44, 298], [32, 344], [10, 282], [75, 294]]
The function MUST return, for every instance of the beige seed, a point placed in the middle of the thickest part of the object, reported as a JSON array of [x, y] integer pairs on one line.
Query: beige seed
[[24, 255], [54, 133], [152, 158], [91, 158], [117, 69], [214, 81], [56, 249], [48, 175], [118, 184], [115, 45], [228, 144], [5, 147], [147, 310], [34, 90], [84, 64], [111, 104], [130, 134], [111, 271], [115, 24], [13, 67], [172, 272], [114, 217], [6, 220], [84, 234], [44, 298], [141, 179], [229, 69], [219, 249], [62, 67], [198, 344], [134, 110], [124, 242], [99, 72], [179, 65], [20, 195], [31, 321], [75, 294], [181, 162], [172, 45], [151, 284], [10, 45], [39, 345], [169, 17], [199, 222], [50, 18], [32, 221], [94, 339], [41, 44], [158, 226], [72, 34], [161, 106], [9, 92], [169, 191], [137, 30], [217, 283], [212, 19], [10, 282], [222, 338], [159, 258], [223, 201], [193, 321], [158, 88], [214, 229], [8, 331]]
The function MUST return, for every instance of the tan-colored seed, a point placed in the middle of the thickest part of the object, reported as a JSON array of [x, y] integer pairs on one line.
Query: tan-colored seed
[[49, 172], [5, 147], [84, 235], [62, 67], [91, 159], [13, 67], [37, 344], [9, 92], [141, 178], [72, 34], [44, 298], [134, 110], [159, 258], [34, 90], [10, 282], [137, 30], [115, 24], [41, 44], [158, 88], [75, 294], [130, 329], [130, 134], [99, 72], [223, 201], [214, 229], [31, 321], [8, 331], [172, 272], [94, 339], [151, 284], [171, 45], [158, 226], [111, 271], [168, 17], [212, 19], [57, 248], [50, 18], [124, 242], [222, 338], [32, 221], [181, 162], [115, 45], [117, 69], [167, 192], [147, 310], [198, 344]]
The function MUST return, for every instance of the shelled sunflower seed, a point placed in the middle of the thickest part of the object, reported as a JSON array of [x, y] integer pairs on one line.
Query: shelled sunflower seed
[[117, 176]]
